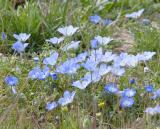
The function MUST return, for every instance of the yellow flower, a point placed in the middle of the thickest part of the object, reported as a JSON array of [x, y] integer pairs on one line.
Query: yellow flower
[[101, 104]]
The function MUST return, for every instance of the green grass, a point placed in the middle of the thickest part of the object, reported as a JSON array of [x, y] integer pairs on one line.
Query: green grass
[[92, 108]]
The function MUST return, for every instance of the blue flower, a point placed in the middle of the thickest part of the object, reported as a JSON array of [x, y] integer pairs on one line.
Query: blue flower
[[126, 102], [44, 73], [68, 30], [3, 36], [67, 98], [156, 94], [132, 81], [19, 46], [73, 45], [11, 80], [81, 84], [90, 65], [81, 57], [53, 75], [50, 106], [94, 43], [128, 93], [68, 67], [118, 71], [111, 88], [34, 73], [153, 110], [149, 88], [22, 37], [95, 19], [55, 40], [51, 60]]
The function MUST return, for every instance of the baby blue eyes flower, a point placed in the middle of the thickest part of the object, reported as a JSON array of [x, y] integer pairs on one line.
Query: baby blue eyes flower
[[111, 88], [81, 57], [103, 40], [118, 71], [73, 45], [37, 73], [22, 37], [19, 46], [67, 98], [81, 84], [129, 93], [55, 40], [152, 110], [126, 102], [68, 67], [132, 81], [94, 43], [68, 30], [50, 106], [95, 19], [33, 74], [51, 60], [149, 88], [11, 80], [3, 36], [156, 94], [53, 75]]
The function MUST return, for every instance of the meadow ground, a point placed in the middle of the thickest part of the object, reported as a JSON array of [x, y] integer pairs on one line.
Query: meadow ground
[[127, 96]]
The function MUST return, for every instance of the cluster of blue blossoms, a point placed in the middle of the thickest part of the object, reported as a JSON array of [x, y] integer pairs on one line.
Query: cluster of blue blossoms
[[96, 62]]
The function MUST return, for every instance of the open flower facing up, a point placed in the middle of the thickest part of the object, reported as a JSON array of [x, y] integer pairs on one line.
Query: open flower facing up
[[103, 40], [145, 56], [19, 46], [51, 60], [80, 57], [22, 37], [95, 19], [67, 98], [37, 73], [34, 73], [68, 67], [149, 88], [11, 80], [111, 88], [52, 105], [68, 30], [72, 45], [118, 71], [55, 40], [82, 83], [129, 93], [45, 72], [135, 15], [126, 102]]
